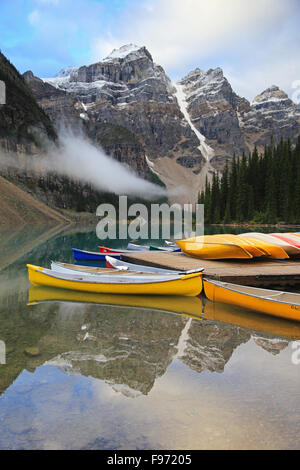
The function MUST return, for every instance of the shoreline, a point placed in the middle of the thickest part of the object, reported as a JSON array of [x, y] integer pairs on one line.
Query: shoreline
[[256, 225]]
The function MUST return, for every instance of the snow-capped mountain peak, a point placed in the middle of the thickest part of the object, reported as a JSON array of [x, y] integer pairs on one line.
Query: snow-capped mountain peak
[[65, 72], [122, 52], [272, 93]]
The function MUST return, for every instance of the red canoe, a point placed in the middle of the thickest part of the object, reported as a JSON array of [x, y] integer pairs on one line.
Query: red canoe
[[291, 240]]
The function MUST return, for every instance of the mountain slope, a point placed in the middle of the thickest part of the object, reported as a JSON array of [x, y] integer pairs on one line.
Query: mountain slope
[[129, 95], [230, 124], [180, 132], [272, 114], [20, 208], [23, 123]]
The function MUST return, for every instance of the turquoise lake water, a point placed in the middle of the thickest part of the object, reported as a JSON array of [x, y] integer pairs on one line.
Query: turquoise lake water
[[76, 374]]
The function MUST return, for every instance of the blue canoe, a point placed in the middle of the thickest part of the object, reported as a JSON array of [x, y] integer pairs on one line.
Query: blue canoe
[[80, 255]]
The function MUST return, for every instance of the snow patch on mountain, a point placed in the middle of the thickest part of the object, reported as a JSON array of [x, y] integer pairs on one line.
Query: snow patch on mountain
[[57, 82], [182, 342], [205, 149], [202, 84], [122, 52], [65, 72]]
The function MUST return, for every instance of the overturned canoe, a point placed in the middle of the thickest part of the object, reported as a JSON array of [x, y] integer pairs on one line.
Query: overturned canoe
[[119, 283], [272, 251], [287, 247], [82, 255], [207, 247], [294, 241], [113, 263], [247, 245], [271, 302]]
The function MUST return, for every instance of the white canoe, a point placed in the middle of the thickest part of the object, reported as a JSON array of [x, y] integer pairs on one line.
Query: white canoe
[[77, 269], [111, 263]]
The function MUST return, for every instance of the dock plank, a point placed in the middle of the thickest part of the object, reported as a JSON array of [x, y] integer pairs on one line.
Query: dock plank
[[255, 272]]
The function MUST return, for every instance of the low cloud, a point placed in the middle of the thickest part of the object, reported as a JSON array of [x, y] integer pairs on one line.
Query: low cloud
[[80, 160]]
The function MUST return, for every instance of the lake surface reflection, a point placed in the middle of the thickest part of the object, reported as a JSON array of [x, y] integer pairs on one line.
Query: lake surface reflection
[[85, 371]]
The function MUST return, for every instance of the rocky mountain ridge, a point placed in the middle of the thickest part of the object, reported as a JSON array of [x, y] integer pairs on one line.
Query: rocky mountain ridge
[[180, 133], [23, 123], [198, 123]]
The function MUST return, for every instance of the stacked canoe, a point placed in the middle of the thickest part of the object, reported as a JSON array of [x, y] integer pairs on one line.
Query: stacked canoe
[[244, 246]]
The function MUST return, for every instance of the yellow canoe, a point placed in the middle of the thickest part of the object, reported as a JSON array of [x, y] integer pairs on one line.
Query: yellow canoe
[[271, 302], [211, 247], [273, 251], [249, 246], [191, 306], [238, 316], [119, 283]]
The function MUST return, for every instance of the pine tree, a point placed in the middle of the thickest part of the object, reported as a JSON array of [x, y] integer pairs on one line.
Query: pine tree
[[265, 186]]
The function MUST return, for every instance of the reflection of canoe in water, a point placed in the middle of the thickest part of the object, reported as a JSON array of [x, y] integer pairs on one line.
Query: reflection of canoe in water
[[119, 282], [252, 320], [184, 305], [271, 302]]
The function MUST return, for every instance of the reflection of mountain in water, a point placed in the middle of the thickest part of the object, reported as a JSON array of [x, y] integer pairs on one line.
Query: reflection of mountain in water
[[272, 345], [210, 345], [128, 347], [20, 330], [120, 345], [18, 242]]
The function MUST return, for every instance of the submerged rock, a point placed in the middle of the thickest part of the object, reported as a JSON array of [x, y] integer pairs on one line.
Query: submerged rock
[[32, 352]]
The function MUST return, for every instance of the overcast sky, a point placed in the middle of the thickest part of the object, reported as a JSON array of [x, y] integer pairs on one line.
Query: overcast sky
[[256, 42]]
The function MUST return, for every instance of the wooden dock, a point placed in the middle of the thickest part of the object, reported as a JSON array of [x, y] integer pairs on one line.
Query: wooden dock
[[255, 272]]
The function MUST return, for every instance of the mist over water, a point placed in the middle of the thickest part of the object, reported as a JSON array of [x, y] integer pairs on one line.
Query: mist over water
[[80, 160]]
